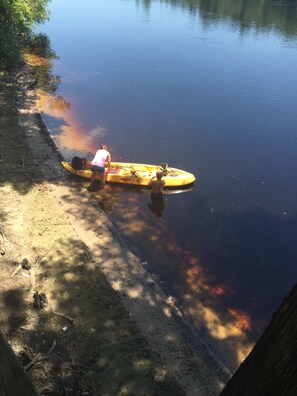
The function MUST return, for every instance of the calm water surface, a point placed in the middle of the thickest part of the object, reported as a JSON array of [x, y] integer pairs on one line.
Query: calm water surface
[[210, 88]]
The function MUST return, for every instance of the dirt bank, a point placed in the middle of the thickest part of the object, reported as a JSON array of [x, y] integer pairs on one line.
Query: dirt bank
[[111, 328]]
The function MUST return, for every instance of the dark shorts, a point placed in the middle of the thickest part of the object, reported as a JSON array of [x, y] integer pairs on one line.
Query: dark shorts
[[157, 205], [97, 169], [157, 196]]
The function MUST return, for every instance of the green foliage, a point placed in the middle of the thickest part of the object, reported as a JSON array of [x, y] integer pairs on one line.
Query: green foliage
[[39, 44], [40, 55], [21, 14], [17, 17]]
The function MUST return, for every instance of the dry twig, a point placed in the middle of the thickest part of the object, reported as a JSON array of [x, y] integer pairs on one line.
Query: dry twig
[[63, 316], [38, 259], [18, 268], [52, 347], [2, 250], [33, 361]]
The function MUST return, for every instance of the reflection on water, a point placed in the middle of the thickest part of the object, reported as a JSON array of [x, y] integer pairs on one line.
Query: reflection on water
[[249, 14], [157, 205], [208, 87], [64, 127], [207, 301]]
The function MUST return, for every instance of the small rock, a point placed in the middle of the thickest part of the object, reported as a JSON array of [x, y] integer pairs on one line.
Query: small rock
[[26, 265], [40, 300], [36, 300], [43, 300]]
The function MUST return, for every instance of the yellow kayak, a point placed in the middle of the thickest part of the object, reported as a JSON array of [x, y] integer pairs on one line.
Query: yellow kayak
[[137, 174]]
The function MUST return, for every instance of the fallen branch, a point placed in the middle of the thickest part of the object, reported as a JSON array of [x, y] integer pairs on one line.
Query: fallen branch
[[39, 357], [52, 347], [63, 316], [25, 265], [27, 355], [38, 259], [24, 71], [18, 268], [44, 388], [33, 361], [2, 250]]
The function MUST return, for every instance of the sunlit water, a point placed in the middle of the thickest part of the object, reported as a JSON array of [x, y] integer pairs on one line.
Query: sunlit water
[[209, 90]]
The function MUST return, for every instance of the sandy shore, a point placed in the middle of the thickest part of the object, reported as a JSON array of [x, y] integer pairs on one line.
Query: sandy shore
[[114, 331]]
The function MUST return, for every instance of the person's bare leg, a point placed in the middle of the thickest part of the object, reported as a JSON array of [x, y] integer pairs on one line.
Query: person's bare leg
[[91, 186], [102, 178], [93, 178]]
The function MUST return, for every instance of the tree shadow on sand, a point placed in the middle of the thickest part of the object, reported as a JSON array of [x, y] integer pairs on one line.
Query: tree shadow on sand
[[98, 348]]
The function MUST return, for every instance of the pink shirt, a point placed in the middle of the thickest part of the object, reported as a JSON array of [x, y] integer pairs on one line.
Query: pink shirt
[[100, 157]]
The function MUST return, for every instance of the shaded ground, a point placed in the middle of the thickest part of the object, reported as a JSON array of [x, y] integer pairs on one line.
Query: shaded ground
[[108, 327]]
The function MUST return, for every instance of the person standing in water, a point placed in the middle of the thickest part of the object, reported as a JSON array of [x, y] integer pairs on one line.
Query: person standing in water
[[102, 157], [157, 206]]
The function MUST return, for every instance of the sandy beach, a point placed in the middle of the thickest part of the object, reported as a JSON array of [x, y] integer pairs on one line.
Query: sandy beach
[[108, 328]]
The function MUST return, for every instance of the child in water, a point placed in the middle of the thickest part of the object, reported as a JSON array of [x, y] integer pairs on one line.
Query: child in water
[[157, 206]]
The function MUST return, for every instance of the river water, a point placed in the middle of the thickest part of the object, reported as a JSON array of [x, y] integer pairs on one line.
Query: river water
[[209, 87]]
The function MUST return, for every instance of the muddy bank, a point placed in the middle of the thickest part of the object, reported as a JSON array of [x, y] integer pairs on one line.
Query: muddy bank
[[113, 329]]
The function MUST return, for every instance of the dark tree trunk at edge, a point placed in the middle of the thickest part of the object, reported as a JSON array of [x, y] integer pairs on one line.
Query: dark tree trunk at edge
[[13, 379], [271, 367]]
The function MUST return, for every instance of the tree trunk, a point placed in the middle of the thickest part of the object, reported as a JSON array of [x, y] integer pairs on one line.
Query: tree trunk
[[13, 379], [271, 367]]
